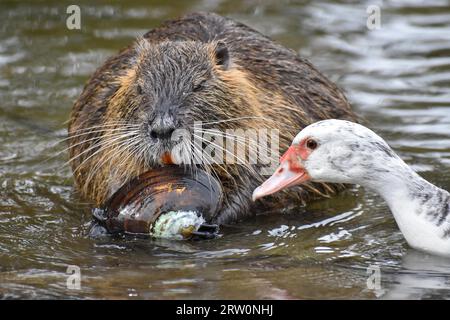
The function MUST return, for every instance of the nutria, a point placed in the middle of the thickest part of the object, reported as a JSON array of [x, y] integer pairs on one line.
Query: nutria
[[202, 67]]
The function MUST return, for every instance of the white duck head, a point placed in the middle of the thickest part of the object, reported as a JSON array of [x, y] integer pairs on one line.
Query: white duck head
[[340, 151], [335, 151]]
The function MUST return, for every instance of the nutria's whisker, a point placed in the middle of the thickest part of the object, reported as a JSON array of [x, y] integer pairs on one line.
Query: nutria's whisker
[[72, 136], [132, 146], [109, 124], [140, 158], [218, 146], [100, 147], [246, 141], [192, 156], [105, 126], [85, 141], [117, 153], [327, 186], [109, 138], [155, 91], [242, 141], [74, 145], [145, 152], [312, 188], [104, 144], [198, 159], [108, 156], [209, 165], [227, 151], [222, 149], [210, 169], [234, 119], [115, 149]]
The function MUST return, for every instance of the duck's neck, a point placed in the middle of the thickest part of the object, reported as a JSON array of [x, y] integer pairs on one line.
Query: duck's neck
[[420, 208]]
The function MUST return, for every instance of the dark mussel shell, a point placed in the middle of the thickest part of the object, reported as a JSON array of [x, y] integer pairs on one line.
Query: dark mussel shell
[[136, 206]]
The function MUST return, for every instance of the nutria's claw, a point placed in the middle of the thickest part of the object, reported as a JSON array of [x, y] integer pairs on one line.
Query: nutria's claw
[[202, 235], [206, 231], [209, 227], [99, 214]]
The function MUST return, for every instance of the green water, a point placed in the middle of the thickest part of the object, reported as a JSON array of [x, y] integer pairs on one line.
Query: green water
[[396, 77]]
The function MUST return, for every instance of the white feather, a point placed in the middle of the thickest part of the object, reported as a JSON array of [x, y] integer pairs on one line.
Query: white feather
[[351, 153]]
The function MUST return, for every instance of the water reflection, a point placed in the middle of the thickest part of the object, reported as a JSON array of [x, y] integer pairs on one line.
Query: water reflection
[[421, 276]]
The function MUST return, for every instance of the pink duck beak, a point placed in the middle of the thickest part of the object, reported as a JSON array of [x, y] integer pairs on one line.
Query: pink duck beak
[[290, 172]]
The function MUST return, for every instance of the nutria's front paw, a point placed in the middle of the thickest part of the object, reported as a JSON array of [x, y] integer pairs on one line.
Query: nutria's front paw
[[235, 207]]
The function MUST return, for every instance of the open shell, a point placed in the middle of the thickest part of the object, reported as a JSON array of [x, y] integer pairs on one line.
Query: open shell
[[136, 206]]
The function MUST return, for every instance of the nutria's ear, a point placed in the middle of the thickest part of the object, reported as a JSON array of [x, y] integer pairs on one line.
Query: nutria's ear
[[142, 46], [222, 55]]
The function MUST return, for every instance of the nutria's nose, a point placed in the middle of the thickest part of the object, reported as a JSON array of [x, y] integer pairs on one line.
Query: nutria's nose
[[164, 133]]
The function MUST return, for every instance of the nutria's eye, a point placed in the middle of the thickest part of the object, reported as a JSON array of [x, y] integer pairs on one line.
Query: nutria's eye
[[311, 144], [199, 86], [139, 89]]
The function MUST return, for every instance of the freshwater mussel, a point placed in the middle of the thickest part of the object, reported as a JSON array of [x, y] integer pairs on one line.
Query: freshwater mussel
[[168, 202]]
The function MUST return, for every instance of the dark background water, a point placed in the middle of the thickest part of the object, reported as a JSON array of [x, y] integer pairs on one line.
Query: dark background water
[[396, 77]]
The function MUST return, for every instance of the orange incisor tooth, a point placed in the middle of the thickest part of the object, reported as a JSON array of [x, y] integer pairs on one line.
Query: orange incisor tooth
[[167, 158]]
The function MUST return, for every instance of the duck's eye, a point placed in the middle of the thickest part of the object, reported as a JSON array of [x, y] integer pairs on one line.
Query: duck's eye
[[199, 86], [139, 89], [311, 144]]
